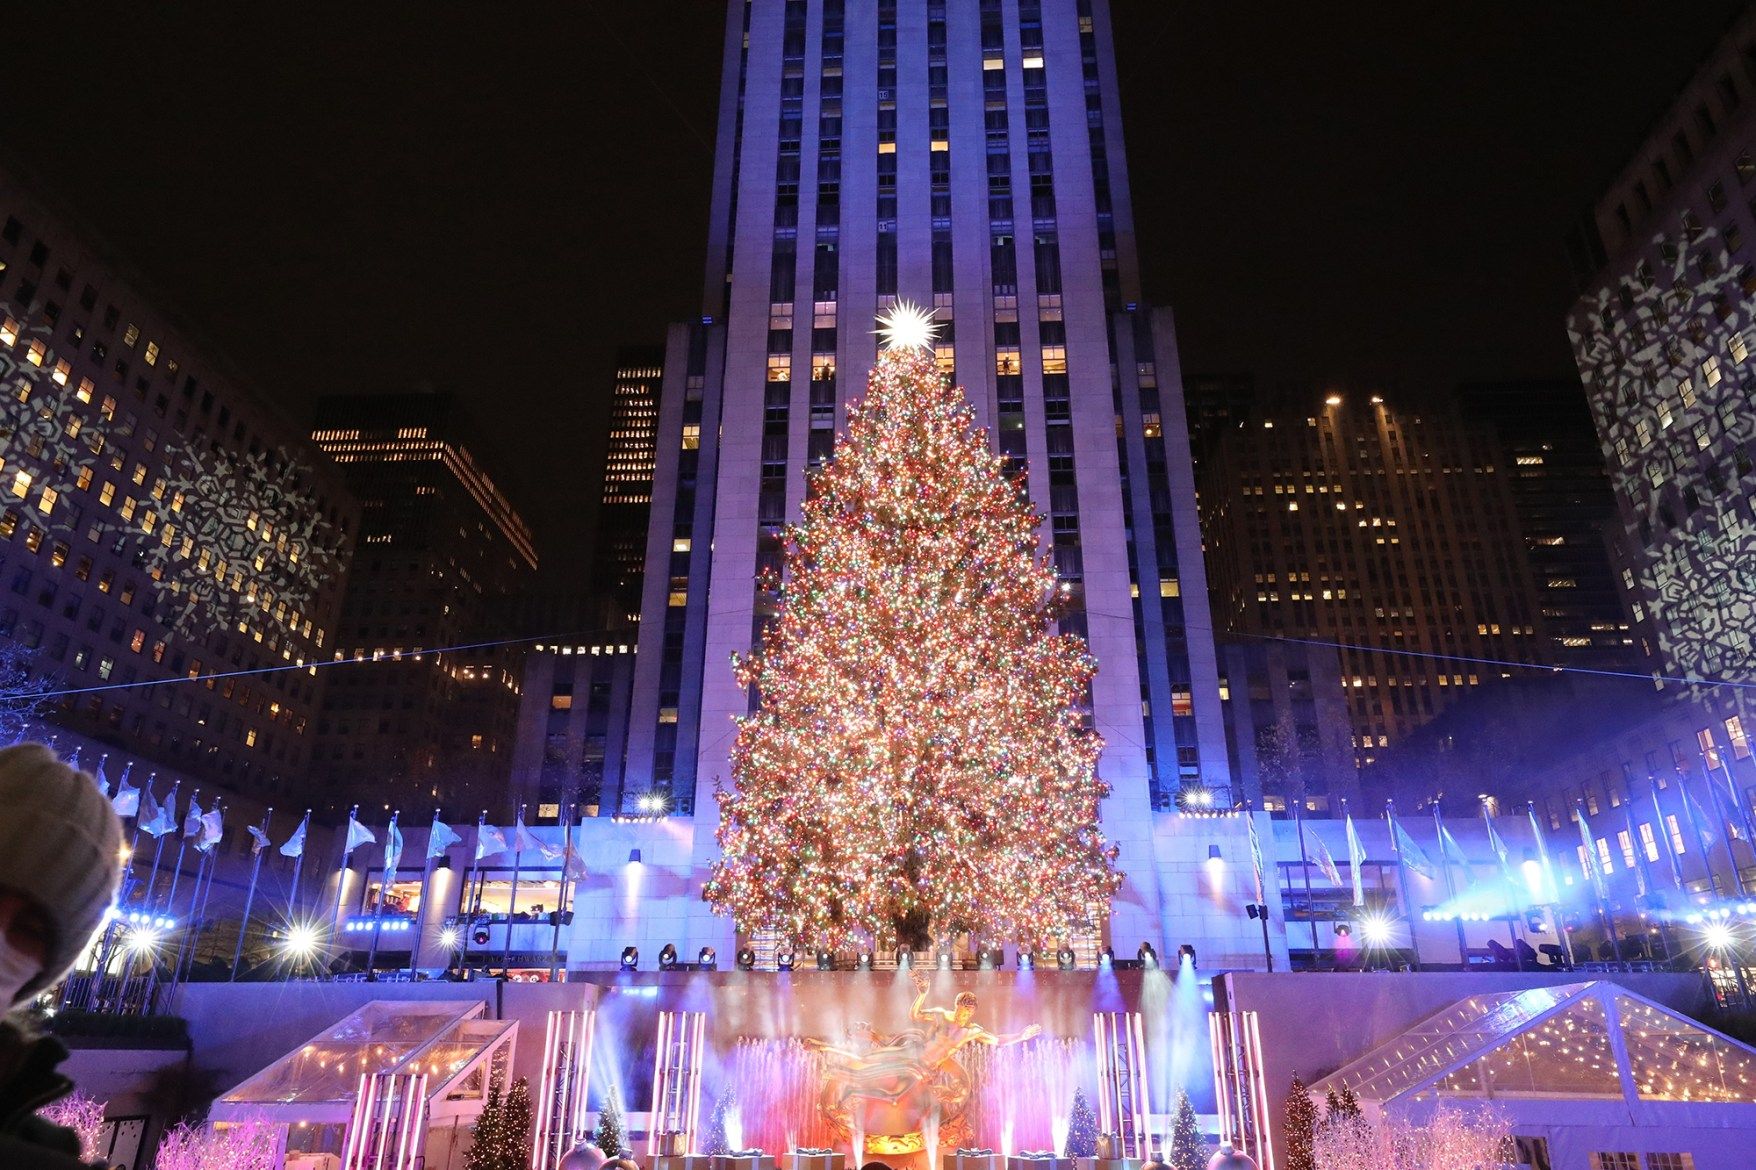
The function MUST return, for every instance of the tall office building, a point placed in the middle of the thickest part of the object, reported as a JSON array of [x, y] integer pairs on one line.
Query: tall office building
[[630, 456], [968, 157], [1387, 532], [1562, 496], [428, 712], [159, 520], [1664, 340]]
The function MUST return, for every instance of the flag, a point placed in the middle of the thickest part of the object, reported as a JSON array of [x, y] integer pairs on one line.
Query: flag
[[489, 841], [1325, 863], [155, 818], [1703, 824], [294, 846], [98, 777], [358, 835], [522, 839], [213, 827], [1451, 851], [1255, 850], [126, 802], [258, 839], [1410, 853], [1589, 850], [574, 865], [1550, 892], [1356, 860], [1498, 845], [440, 838], [192, 822], [392, 846]]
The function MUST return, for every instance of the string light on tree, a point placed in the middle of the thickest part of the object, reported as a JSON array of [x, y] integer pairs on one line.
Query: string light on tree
[[919, 761]]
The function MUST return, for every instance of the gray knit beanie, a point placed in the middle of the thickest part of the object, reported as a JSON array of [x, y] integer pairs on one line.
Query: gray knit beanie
[[60, 845]]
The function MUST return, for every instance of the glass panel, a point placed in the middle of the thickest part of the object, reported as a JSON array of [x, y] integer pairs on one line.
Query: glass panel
[[1568, 1055], [1675, 1060]]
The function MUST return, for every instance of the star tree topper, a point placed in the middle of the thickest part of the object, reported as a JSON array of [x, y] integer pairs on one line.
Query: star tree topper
[[906, 325]]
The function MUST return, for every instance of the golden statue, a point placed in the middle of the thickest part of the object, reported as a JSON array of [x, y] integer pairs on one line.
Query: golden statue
[[889, 1089]]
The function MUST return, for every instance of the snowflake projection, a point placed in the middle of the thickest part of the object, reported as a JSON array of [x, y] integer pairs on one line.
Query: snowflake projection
[[1661, 355], [43, 444], [226, 537]]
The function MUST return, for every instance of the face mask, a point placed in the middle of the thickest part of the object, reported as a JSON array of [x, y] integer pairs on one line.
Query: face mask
[[17, 969]]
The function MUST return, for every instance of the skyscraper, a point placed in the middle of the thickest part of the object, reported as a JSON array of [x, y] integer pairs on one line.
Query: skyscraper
[[968, 157], [427, 713], [630, 456]]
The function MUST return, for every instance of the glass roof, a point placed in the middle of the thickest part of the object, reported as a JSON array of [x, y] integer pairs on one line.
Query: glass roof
[[437, 1038], [1555, 1042]]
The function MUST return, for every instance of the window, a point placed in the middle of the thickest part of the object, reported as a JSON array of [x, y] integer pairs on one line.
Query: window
[[1617, 1160], [1532, 1152], [1662, 1161], [1737, 738], [1648, 842]]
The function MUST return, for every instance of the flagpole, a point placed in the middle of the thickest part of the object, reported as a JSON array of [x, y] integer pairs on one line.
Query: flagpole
[[1702, 843], [1731, 826], [1737, 801], [1450, 888], [384, 881], [471, 901], [152, 877], [341, 880], [1305, 864], [298, 864], [1408, 904], [1555, 913], [182, 844], [561, 893], [1594, 872], [1512, 914], [198, 915], [1643, 868], [100, 973], [512, 903], [250, 897], [426, 892]]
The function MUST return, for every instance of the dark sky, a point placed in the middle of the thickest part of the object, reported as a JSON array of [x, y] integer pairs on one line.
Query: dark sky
[[490, 198]]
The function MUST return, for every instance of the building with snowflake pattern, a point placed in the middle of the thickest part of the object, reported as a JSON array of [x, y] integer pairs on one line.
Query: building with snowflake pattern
[[158, 519], [967, 157]]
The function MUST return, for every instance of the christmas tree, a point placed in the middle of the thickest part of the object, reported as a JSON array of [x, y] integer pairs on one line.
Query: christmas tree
[[1301, 1127], [485, 1149], [1082, 1129], [716, 1141], [513, 1138], [918, 763], [609, 1135], [1188, 1151]]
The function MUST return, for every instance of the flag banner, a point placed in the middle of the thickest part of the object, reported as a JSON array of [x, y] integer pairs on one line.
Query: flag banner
[[489, 841], [1412, 855], [102, 781], [574, 865], [440, 838], [155, 818], [523, 840], [1255, 851], [1703, 823], [1501, 855], [392, 846], [126, 802], [258, 839], [1325, 862], [192, 822], [213, 827], [1588, 851], [1550, 892], [358, 835], [294, 846], [1451, 850], [1356, 860]]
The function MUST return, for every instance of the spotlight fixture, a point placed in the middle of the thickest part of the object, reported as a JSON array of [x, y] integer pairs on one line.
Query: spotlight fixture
[[984, 959], [479, 936], [746, 959], [944, 960], [1185, 951], [1107, 957], [1065, 959], [1344, 930], [825, 961], [668, 957], [783, 961], [864, 961], [707, 959], [1213, 853], [904, 960], [634, 857], [1025, 961], [630, 957], [1148, 956]]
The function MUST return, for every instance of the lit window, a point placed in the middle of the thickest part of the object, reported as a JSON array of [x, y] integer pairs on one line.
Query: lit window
[[679, 597], [681, 544], [250, 738], [1169, 587], [20, 483]]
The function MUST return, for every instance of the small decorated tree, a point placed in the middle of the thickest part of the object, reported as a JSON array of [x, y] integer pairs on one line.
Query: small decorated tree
[[1188, 1151], [513, 1139], [485, 1150], [716, 1140], [248, 1145], [1350, 1104], [84, 1116], [1301, 1127], [1082, 1129], [609, 1136]]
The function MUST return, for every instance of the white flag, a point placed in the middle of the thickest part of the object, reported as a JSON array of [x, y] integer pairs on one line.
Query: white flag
[[489, 841], [294, 846], [1356, 860], [1412, 855], [192, 822], [522, 839], [392, 846], [155, 818], [126, 802], [358, 835], [98, 777], [1326, 863], [212, 829], [440, 838], [258, 839]]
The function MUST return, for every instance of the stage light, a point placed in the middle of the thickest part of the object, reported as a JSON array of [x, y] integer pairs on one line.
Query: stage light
[[448, 938], [1213, 853], [1375, 928], [668, 957], [1106, 957], [1065, 959], [301, 941], [142, 940], [944, 960], [630, 958], [784, 961], [1251, 910], [864, 961], [634, 857], [707, 959], [746, 958], [905, 960], [480, 936], [1185, 951], [825, 961], [1343, 930], [1025, 960], [1148, 956], [990, 960], [1718, 936]]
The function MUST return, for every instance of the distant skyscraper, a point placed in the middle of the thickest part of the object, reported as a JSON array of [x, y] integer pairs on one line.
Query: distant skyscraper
[[1562, 495], [967, 157], [159, 520], [1217, 404], [1664, 338], [630, 456], [1390, 532], [442, 553]]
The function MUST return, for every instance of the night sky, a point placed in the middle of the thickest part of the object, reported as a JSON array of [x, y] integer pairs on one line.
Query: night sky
[[489, 199]]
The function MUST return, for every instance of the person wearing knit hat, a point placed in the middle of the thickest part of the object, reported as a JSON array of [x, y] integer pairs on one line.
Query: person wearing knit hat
[[60, 864]]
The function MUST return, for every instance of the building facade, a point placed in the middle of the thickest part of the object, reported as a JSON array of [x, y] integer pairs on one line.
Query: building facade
[[966, 157], [1287, 725], [1663, 335], [1385, 532], [173, 554], [630, 458], [426, 710]]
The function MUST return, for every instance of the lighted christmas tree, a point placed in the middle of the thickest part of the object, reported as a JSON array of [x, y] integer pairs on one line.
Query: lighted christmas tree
[[1188, 1151], [610, 1137], [513, 1138], [716, 1140], [485, 1146], [1301, 1127], [918, 763], [1082, 1129]]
